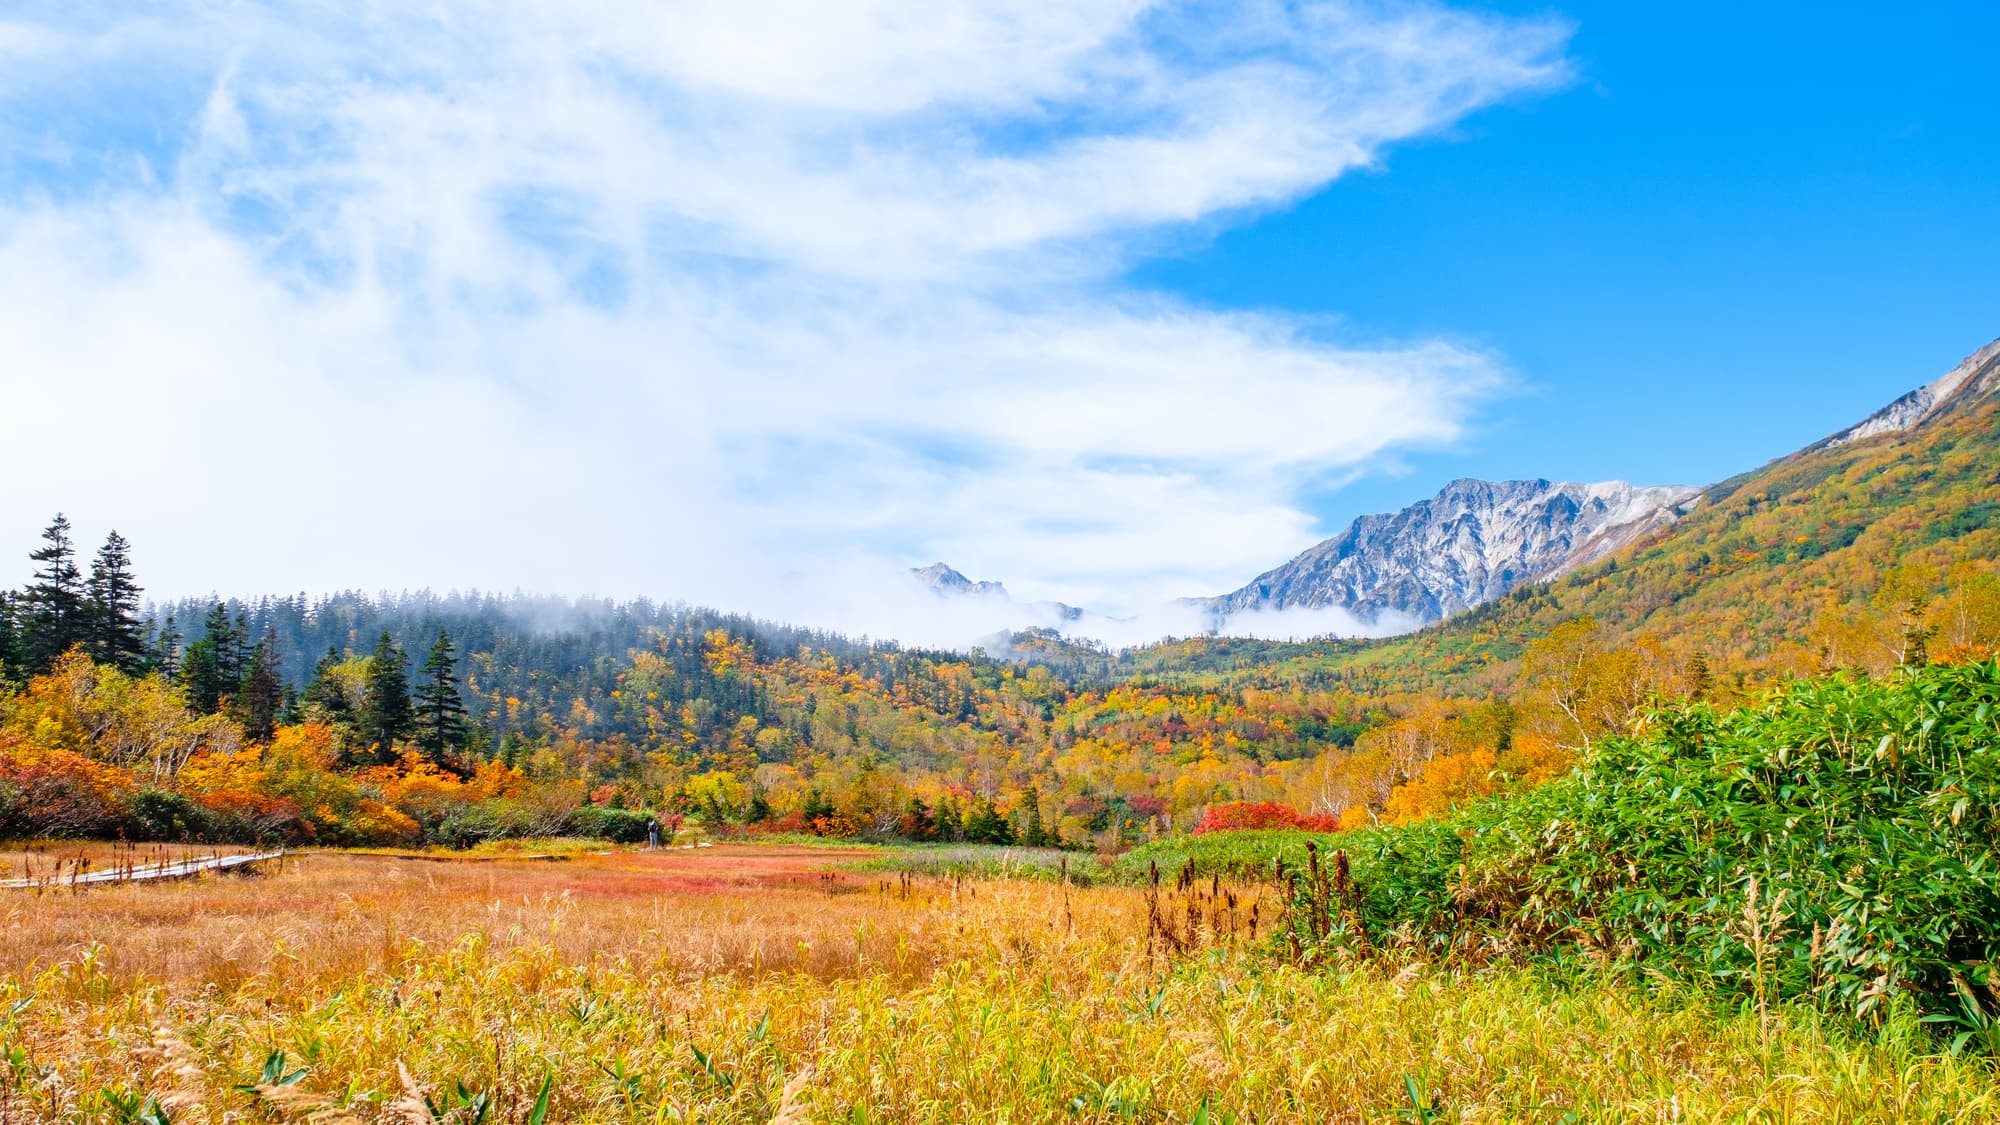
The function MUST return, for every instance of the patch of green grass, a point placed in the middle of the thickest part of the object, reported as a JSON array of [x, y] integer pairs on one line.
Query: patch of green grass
[[1239, 855], [986, 861]]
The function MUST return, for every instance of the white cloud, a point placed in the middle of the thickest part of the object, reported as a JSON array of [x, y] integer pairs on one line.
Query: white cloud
[[690, 300]]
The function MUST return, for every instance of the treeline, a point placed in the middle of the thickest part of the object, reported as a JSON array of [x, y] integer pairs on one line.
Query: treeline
[[63, 607], [532, 715], [464, 717]]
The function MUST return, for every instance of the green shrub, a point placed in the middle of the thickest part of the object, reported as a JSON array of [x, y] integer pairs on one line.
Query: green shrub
[[623, 826], [160, 814], [1839, 841], [468, 825]]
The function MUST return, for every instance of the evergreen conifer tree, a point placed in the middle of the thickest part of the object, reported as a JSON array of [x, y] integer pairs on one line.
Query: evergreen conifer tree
[[112, 608], [229, 645], [10, 657], [54, 617], [949, 827], [210, 672], [817, 807], [236, 647], [166, 649], [1916, 635], [261, 692], [985, 825], [386, 715], [1032, 832], [1699, 677], [440, 710], [200, 678]]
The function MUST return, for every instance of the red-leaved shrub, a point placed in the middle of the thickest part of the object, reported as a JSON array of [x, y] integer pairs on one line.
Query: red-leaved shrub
[[1238, 816]]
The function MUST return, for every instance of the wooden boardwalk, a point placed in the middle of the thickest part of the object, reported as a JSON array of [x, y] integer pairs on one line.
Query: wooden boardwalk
[[139, 873]]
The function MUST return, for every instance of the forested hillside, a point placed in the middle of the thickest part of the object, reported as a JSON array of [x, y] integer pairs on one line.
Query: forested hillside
[[466, 716]]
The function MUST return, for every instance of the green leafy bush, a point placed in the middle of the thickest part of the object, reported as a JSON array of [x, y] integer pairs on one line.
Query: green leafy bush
[[1839, 841], [623, 826], [161, 814]]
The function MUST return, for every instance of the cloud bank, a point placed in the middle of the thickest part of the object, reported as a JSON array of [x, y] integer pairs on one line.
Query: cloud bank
[[723, 302]]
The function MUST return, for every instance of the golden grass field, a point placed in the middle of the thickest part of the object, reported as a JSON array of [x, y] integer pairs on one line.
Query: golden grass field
[[746, 984]]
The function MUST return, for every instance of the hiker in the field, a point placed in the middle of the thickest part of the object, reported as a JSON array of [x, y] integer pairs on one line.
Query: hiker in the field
[[653, 832]]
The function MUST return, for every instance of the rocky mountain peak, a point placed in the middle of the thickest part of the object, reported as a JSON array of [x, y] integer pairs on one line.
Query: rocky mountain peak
[[1472, 542], [943, 579], [1978, 373]]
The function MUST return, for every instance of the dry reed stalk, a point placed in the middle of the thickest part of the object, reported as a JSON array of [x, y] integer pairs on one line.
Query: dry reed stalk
[[791, 1102], [408, 1106]]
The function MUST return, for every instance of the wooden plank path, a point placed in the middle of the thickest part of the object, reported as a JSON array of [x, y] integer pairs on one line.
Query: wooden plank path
[[129, 873]]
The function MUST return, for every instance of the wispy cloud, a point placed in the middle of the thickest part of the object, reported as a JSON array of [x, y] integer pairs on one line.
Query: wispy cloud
[[689, 299]]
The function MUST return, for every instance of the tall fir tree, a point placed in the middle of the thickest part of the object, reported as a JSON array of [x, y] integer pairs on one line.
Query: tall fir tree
[[199, 677], [166, 648], [54, 617], [10, 655], [1032, 833], [260, 692], [236, 647], [211, 673], [386, 715], [440, 709], [112, 608]]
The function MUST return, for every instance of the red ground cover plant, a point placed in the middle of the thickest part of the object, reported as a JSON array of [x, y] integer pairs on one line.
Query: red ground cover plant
[[1238, 816]]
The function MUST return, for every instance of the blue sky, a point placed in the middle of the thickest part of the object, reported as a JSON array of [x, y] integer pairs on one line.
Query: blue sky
[[758, 302], [1741, 228]]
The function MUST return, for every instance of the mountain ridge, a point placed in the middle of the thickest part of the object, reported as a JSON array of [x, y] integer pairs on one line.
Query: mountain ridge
[[947, 582], [1977, 373], [1824, 557], [1473, 541], [1476, 541]]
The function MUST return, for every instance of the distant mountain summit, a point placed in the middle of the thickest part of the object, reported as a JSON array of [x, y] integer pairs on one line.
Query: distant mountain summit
[[1469, 544], [944, 580]]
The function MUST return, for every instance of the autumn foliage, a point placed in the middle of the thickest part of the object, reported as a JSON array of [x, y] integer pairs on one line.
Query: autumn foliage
[[1238, 816]]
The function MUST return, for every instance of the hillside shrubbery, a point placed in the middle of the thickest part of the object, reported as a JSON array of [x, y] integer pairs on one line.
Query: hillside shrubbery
[[1837, 841]]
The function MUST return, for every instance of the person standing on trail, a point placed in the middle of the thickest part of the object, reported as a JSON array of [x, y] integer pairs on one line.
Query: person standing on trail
[[652, 831]]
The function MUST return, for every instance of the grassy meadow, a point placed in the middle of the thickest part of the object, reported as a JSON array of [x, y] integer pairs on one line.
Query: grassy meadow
[[785, 984]]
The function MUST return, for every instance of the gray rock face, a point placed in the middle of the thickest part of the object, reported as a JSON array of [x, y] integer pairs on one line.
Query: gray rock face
[[1979, 372], [1469, 544], [944, 580]]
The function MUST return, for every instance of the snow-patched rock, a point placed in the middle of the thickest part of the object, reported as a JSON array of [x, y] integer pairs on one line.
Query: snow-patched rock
[[1979, 372], [1469, 544], [946, 582]]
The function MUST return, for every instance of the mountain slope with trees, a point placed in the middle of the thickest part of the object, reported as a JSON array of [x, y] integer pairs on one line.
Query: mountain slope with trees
[[1838, 555]]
